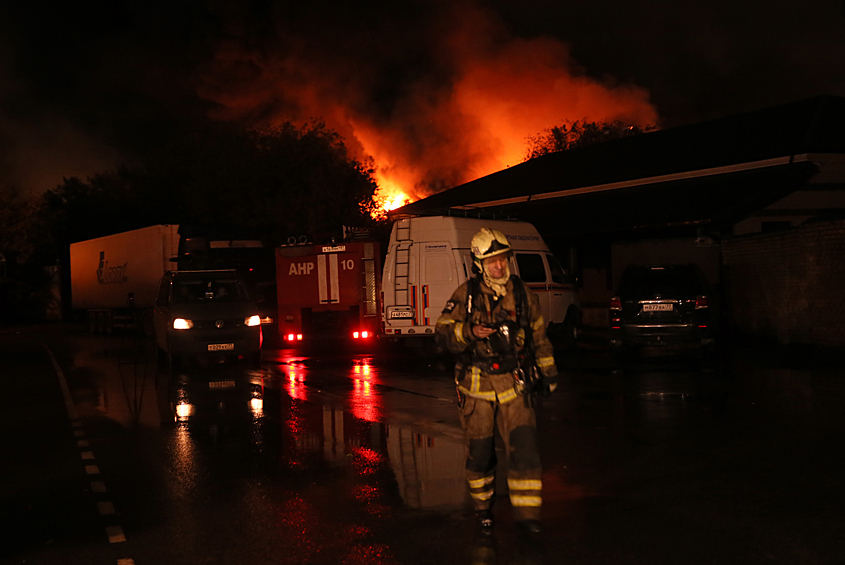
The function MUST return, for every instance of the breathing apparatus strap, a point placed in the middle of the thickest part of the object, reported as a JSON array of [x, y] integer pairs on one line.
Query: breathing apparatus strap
[[472, 290], [520, 296], [530, 373]]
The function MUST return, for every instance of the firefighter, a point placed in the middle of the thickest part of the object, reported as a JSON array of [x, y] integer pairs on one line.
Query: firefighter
[[490, 323]]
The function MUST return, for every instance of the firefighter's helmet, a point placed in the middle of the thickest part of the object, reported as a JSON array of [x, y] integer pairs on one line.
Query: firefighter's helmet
[[488, 243]]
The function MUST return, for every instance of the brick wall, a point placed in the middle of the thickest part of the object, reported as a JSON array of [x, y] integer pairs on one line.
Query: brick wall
[[789, 285]]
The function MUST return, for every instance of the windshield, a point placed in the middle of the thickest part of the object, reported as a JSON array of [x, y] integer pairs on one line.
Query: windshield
[[209, 290]]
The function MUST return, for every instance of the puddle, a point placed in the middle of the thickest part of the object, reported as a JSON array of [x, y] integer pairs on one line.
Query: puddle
[[283, 420]]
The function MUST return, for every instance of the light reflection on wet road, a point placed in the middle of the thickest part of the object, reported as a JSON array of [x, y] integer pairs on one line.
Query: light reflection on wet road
[[216, 462], [357, 459], [282, 433]]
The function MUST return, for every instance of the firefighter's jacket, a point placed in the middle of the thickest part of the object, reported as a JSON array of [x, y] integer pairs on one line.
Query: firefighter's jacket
[[481, 371]]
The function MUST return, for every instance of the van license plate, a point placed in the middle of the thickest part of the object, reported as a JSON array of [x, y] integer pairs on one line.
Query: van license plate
[[402, 314], [221, 346], [657, 307]]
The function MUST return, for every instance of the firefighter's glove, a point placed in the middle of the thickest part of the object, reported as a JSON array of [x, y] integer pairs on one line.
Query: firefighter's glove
[[481, 331]]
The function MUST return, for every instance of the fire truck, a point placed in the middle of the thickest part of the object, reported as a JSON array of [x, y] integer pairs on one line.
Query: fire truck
[[328, 291]]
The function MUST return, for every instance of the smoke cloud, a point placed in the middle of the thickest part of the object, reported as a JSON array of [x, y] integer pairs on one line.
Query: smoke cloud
[[433, 93], [436, 98]]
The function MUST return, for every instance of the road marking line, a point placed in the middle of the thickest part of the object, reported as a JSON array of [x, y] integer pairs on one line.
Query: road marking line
[[125, 562], [82, 443], [115, 534], [105, 507]]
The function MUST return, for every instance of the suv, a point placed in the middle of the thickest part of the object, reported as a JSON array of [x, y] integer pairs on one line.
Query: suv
[[206, 314], [660, 305]]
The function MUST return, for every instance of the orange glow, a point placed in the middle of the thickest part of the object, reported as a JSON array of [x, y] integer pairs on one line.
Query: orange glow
[[389, 196], [441, 129]]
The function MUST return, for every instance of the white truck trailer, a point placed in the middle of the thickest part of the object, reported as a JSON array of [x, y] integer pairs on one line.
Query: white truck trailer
[[429, 257], [114, 279]]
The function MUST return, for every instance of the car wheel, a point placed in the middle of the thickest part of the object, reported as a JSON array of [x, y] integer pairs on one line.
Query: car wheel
[[569, 333]]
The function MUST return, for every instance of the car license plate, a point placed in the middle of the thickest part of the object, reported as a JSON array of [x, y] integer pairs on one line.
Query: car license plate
[[402, 314], [657, 308], [221, 346], [221, 384]]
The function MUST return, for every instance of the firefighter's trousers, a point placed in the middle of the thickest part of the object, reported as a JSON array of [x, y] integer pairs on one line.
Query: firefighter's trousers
[[517, 426]]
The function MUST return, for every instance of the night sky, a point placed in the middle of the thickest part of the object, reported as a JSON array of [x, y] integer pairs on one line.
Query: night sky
[[437, 93]]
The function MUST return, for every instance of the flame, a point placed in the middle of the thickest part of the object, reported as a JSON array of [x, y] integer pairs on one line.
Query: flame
[[396, 201], [463, 110], [389, 196]]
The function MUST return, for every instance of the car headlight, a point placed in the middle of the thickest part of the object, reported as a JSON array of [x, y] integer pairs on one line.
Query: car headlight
[[182, 324], [252, 321]]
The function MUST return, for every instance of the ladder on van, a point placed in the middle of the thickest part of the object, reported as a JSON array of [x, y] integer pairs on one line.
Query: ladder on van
[[403, 260]]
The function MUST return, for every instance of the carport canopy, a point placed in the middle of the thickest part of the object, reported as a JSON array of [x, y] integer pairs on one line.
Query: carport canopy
[[703, 175]]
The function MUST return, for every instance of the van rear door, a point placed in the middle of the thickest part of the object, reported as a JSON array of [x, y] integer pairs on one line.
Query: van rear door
[[437, 281], [420, 279]]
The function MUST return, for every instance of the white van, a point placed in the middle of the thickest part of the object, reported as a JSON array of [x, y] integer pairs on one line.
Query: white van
[[429, 257]]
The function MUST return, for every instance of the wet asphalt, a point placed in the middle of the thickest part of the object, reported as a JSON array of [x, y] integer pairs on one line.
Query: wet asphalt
[[335, 456]]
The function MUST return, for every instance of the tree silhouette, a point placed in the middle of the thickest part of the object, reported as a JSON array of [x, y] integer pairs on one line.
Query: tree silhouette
[[270, 183], [570, 135]]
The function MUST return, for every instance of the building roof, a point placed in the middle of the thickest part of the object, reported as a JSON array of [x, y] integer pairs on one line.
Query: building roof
[[701, 174]]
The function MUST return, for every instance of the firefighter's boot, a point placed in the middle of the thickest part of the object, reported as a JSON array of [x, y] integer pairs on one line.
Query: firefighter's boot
[[485, 521]]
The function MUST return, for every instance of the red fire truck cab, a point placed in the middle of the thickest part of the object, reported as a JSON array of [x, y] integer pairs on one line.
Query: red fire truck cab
[[328, 291]]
